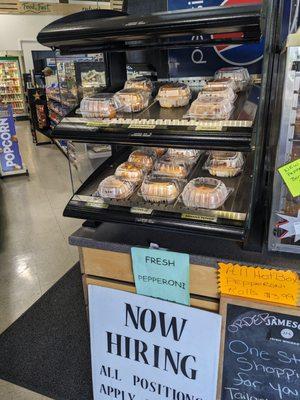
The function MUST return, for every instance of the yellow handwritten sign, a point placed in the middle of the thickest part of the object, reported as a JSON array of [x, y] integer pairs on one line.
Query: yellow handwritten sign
[[257, 283], [290, 173]]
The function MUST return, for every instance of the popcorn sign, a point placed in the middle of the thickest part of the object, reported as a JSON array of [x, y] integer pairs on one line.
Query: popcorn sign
[[10, 157]]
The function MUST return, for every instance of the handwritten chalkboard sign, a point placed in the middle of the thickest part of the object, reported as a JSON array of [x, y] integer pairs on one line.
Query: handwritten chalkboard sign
[[260, 356]]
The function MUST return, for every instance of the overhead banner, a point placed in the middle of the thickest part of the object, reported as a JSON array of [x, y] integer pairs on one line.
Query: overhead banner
[[162, 274], [10, 157], [148, 349]]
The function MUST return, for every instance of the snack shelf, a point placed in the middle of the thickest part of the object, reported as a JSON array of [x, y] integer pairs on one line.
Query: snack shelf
[[167, 127], [229, 218]]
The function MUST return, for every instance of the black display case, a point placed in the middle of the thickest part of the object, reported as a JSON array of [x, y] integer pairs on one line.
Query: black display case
[[242, 216]]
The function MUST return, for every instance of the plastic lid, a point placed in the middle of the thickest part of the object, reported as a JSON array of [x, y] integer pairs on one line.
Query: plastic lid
[[172, 167], [160, 189], [140, 83], [174, 90], [205, 193], [220, 84], [222, 93], [113, 187], [239, 74], [159, 151], [130, 171], [215, 108], [142, 158], [102, 106], [184, 153], [132, 100], [227, 158]]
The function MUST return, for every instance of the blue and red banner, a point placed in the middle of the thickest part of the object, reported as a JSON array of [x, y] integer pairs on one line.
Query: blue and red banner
[[10, 157], [203, 61]]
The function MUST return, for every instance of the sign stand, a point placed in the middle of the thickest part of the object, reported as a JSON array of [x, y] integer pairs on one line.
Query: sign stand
[[11, 163]]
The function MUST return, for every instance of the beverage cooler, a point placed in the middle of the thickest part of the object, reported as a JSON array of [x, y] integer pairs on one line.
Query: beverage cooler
[[284, 232], [11, 87], [187, 153]]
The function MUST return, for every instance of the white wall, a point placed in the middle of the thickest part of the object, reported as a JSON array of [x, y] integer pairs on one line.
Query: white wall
[[19, 32]]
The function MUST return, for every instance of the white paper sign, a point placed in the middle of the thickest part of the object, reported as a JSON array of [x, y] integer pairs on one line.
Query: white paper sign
[[148, 349]]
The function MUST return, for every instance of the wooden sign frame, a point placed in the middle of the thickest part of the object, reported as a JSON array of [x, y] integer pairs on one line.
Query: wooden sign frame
[[244, 302]]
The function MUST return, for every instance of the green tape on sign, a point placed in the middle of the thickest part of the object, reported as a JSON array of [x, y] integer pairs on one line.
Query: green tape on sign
[[290, 173], [162, 274]]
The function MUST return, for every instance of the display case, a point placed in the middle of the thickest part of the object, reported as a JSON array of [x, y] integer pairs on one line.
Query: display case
[[284, 232], [11, 88], [221, 187]]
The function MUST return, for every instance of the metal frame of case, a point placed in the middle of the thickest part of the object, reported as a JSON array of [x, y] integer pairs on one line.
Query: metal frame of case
[[155, 31], [287, 102]]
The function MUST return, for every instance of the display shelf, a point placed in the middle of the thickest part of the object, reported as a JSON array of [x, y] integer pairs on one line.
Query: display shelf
[[229, 218], [167, 127], [155, 30]]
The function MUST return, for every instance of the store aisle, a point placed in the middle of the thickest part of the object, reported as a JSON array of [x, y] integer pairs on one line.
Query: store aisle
[[34, 248]]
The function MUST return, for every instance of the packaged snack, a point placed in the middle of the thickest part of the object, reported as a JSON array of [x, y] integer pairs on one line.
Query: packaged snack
[[174, 95], [139, 83], [130, 172], [131, 100], [205, 193], [224, 164], [100, 106], [225, 94], [220, 84], [159, 189], [218, 109], [240, 76], [172, 167], [142, 158], [113, 187]]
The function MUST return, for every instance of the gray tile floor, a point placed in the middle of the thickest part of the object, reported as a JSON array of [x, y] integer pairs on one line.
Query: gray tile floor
[[34, 252]]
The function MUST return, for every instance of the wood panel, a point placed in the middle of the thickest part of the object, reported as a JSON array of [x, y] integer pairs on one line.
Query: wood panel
[[112, 265], [209, 305], [44, 8]]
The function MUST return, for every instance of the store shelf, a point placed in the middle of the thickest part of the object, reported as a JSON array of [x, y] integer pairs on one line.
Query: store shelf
[[229, 219], [155, 30], [167, 127]]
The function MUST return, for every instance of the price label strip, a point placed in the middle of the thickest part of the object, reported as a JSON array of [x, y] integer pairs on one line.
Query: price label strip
[[198, 217], [140, 210]]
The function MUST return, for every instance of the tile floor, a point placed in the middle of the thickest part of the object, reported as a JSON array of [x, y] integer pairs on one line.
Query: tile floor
[[34, 250]]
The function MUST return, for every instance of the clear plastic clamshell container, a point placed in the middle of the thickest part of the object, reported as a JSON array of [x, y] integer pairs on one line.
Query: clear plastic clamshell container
[[174, 95], [189, 155], [130, 172], [172, 167], [160, 189], [142, 158], [229, 158], [100, 106], [212, 109], [205, 193], [139, 83], [132, 100], [224, 164], [116, 188], [225, 94], [220, 84], [240, 76]]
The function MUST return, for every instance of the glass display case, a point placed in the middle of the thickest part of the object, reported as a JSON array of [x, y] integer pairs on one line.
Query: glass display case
[[187, 153], [68, 80], [284, 232]]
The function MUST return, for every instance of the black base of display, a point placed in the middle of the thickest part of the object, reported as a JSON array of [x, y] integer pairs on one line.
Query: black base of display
[[47, 349], [22, 118]]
